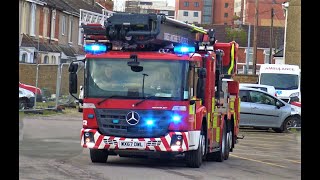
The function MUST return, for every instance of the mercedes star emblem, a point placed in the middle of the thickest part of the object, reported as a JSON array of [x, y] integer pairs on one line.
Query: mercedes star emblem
[[132, 118]]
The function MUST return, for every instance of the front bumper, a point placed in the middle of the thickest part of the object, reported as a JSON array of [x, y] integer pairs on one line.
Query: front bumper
[[160, 144]]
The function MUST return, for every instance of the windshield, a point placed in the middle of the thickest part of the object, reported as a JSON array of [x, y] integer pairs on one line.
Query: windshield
[[280, 81], [160, 79]]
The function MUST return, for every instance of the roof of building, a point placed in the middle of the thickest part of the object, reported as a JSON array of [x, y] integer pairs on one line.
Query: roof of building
[[81, 4], [29, 41], [73, 6]]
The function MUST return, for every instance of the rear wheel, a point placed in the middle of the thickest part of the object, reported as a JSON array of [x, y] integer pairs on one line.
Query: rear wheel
[[98, 155], [194, 158], [223, 153]]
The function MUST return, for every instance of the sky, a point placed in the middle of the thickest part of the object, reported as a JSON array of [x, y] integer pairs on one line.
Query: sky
[[170, 2]]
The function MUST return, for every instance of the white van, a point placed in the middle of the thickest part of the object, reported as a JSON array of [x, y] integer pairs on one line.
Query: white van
[[285, 78]]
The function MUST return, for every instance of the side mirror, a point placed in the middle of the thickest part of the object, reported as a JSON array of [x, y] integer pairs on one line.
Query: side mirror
[[73, 83], [278, 104]]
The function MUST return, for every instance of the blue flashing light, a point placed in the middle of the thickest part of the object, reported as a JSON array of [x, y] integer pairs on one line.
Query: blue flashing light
[[150, 122], [184, 49], [176, 118], [90, 116], [95, 48]]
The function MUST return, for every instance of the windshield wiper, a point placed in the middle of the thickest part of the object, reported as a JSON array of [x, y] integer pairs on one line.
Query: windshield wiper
[[103, 100], [139, 102]]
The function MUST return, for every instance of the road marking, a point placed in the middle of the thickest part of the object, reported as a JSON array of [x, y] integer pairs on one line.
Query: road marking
[[298, 162], [271, 164]]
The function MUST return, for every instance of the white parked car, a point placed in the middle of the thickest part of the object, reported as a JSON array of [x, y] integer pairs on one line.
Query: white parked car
[[269, 89], [26, 98]]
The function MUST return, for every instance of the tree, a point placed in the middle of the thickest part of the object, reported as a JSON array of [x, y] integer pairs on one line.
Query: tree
[[236, 34]]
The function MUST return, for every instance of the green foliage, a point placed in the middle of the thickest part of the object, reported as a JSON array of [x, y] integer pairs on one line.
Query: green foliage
[[236, 34]]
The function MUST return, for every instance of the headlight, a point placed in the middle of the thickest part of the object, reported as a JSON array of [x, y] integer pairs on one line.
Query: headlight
[[294, 94]]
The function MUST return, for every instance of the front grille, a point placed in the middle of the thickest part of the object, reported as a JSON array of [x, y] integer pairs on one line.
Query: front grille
[[114, 123]]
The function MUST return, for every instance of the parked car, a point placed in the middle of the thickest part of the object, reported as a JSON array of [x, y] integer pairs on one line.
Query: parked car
[[260, 109], [80, 105], [26, 99], [269, 89], [35, 90]]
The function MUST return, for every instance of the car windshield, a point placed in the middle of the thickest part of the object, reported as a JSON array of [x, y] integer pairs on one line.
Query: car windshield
[[280, 81], [160, 79]]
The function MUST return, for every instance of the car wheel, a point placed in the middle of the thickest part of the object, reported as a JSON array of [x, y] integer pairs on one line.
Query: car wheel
[[287, 124], [22, 104]]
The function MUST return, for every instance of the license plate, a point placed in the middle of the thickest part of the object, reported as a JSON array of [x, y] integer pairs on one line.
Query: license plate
[[132, 144]]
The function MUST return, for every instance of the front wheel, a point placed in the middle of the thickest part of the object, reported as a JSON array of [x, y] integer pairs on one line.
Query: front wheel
[[98, 155], [22, 104], [194, 158]]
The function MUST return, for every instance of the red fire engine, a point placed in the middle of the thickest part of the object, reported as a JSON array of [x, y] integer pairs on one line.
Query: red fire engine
[[155, 86]]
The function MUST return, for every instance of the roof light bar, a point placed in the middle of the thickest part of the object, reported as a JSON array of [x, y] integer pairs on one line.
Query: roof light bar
[[184, 49], [95, 48]]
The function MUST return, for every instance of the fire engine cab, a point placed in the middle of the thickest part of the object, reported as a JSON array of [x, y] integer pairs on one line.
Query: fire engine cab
[[155, 86]]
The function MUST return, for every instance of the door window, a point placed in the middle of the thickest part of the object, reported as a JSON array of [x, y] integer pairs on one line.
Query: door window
[[261, 98]]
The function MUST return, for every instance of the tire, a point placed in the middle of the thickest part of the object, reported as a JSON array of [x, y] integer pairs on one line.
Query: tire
[[22, 104], [194, 158], [98, 155], [289, 122], [224, 151]]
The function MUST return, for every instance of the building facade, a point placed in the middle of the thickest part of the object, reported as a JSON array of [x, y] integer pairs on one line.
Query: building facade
[[189, 11], [49, 30], [245, 9]]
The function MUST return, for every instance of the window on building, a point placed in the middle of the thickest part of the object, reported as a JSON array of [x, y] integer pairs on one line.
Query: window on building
[[195, 14], [226, 5], [45, 22], [33, 19], [46, 60], [24, 58], [185, 13], [207, 2], [53, 24], [54, 60], [226, 15], [225, 23], [196, 4], [63, 25], [70, 29], [207, 20], [186, 4]]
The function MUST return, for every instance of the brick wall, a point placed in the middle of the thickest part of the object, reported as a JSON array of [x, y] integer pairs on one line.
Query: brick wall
[[47, 77], [242, 78]]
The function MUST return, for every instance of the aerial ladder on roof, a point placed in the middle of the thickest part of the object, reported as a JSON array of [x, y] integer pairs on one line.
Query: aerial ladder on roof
[[140, 29], [131, 31]]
